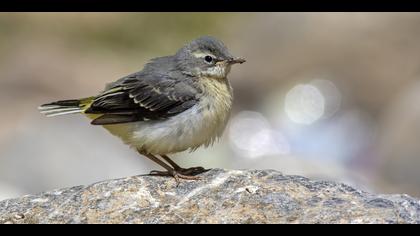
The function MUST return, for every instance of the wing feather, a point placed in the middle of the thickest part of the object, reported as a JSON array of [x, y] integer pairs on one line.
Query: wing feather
[[143, 97]]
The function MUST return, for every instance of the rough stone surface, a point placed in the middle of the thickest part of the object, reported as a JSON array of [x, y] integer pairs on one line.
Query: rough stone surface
[[222, 196]]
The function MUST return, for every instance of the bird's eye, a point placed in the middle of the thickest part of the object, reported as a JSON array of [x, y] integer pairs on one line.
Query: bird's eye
[[208, 59]]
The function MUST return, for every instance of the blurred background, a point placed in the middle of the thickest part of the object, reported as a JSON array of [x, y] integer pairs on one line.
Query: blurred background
[[333, 96]]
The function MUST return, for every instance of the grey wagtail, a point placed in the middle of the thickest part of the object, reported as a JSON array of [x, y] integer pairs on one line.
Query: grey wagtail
[[175, 103]]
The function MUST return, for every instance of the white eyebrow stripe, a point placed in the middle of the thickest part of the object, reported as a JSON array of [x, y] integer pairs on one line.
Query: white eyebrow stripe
[[202, 54]]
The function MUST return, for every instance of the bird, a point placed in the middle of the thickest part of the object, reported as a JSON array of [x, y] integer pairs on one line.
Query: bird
[[175, 103]]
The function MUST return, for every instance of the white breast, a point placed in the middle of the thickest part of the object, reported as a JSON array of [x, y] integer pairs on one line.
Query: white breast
[[200, 125]]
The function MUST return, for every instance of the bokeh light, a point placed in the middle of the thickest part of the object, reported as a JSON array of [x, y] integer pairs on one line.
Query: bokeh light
[[304, 104], [330, 93], [251, 136]]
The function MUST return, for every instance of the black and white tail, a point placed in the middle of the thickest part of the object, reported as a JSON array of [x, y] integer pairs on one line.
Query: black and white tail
[[62, 107]]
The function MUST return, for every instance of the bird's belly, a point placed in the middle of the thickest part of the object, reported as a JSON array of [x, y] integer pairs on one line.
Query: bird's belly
[[199, 125]]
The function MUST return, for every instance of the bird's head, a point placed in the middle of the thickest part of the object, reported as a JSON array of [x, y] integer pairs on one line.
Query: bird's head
[[206, 57]]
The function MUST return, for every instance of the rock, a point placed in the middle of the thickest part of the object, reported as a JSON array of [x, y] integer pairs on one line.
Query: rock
[[222, 196]]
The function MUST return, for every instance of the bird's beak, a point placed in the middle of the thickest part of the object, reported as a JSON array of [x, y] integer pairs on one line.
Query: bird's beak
[[236, 60]]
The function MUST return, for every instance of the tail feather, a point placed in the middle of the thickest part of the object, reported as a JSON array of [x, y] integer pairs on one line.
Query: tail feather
[[65, 107]]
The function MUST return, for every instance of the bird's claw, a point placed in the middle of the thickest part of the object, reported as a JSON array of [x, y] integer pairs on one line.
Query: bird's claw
[[193, 171], [188, 174]]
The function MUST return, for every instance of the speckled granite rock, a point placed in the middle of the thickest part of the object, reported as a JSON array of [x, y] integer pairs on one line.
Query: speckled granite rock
[[221, 197]]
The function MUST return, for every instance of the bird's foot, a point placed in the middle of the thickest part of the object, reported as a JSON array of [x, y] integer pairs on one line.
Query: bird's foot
[[175, 174], [193, 171]]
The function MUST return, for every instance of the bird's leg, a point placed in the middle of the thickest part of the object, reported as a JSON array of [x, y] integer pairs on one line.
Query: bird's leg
[[190, 171], [169, 170]]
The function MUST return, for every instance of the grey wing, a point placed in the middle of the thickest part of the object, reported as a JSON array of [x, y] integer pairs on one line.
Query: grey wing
[[140, 97]]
